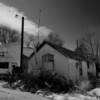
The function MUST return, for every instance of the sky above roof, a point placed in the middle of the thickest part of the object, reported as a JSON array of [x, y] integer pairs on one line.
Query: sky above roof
[[69, 18]]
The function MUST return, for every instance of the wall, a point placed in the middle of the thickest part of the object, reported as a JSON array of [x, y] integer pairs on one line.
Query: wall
[[9, 69], [63, 65], [92, 69], [13, 55], [14, 52], [10, 52]]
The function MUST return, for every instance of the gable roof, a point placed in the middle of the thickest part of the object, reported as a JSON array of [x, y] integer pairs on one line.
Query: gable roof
[[62, 50]]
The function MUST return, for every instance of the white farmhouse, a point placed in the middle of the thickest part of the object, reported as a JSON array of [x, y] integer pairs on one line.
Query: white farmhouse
[[65, 62]]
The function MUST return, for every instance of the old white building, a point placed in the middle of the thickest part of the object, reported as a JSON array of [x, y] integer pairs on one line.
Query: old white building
[[10, 56], [63, 61]]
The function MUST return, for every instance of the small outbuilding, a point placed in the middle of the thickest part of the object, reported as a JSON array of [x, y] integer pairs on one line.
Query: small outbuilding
[[67, 63]]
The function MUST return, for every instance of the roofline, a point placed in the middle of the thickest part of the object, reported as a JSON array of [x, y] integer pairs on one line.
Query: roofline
[[41, 45], [53, 46]]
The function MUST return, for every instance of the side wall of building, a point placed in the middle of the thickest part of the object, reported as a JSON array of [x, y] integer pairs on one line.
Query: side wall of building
[[8, 68], [62, 65]]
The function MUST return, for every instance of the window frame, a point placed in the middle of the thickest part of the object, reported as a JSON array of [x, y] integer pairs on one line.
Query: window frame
[[3, 53], [46, 58], [79, 67]]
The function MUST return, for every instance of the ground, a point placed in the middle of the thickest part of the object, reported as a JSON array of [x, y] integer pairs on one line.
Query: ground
[[8, 94]]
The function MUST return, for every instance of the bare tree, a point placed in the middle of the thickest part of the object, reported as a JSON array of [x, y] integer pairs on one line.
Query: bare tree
[[31, 42], [8, 35], [55, 38], [92, 44], [82, 49]]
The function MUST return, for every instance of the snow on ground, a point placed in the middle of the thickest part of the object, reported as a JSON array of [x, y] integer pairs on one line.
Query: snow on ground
[[90, 95], [74, 97], [9, 94], [95, 92]]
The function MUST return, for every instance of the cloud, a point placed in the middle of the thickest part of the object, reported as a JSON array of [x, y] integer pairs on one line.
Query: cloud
[[9, 19], [43, 30]]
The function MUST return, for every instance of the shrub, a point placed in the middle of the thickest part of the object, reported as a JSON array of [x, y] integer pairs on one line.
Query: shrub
[[83, 86], [47, 80], [29, 81], [54, 82]]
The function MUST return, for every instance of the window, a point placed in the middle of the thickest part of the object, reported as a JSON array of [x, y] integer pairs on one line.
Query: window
[[48, 58], [77, 64], [88, 65], [3, 53], [48, 61], [80, 68], [4, 65]]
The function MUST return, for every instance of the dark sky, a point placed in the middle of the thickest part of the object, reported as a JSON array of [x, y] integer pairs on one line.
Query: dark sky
[[69, 18]]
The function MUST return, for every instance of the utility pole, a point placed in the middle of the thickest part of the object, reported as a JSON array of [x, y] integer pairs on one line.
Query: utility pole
[[22, 41], [38, 42]]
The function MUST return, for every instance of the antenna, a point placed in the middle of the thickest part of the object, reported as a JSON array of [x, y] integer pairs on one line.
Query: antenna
[[39, 20], [35, 46]]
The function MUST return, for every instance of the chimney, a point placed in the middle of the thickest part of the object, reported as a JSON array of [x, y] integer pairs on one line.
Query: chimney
[[77, 44]]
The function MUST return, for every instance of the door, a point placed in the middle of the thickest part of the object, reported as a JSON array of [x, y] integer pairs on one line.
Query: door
[[48, 62], [79, 73]]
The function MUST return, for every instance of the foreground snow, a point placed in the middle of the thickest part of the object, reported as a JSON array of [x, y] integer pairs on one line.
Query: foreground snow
[[74, 97], [8, 94], [91, 95]]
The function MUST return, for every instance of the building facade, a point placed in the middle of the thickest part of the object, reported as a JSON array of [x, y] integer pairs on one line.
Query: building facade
[[10, 57], [50, 57]]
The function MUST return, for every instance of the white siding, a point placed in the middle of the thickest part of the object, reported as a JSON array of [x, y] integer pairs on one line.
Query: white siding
[[63, 65], [6, 70], [92, 69], [84, 68]]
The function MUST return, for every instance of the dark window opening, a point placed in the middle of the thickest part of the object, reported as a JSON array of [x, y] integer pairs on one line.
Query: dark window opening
[[3, 53], [88, 65], [48, 58], [4, 64], [81, 73], [80, 69], [77, 64]]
